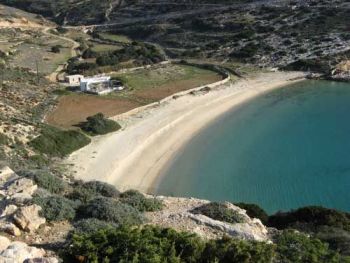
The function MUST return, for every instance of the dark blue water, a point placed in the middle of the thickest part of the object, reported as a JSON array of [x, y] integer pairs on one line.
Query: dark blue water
[[285, 149]]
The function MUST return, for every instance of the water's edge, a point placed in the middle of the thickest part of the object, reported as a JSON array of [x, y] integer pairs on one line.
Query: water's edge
[[281, 150]]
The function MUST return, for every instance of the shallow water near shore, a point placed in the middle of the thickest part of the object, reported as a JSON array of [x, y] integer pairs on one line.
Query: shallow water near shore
[[282, 150]]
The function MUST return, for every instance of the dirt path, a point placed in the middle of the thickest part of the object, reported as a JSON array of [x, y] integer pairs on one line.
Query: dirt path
[[53, 76], [18, 23]]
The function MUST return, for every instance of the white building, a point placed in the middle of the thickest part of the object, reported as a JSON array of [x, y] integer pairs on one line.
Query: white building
[[74, 80], [96, 85]]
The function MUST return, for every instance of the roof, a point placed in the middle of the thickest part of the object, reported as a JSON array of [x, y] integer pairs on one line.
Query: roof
[[96, 79], [75, 76]]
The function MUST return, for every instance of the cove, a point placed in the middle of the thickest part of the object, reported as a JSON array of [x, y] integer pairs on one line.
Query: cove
[[282, 150]]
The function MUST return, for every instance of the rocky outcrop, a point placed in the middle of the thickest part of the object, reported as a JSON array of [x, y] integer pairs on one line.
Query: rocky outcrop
[[18, 252], [177, 214], [28, 219], [4, 243], [15, 213], [341, 72]]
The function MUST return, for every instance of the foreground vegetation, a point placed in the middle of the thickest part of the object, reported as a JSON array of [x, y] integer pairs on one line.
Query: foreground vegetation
[[109, 226], [58, 143], [152, 244], [99, 125]]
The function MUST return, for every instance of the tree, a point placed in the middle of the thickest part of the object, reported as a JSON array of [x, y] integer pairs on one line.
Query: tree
[[56, 49]]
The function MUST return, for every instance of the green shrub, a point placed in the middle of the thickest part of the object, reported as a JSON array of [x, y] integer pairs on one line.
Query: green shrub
[[313, 216], [219, 211], [111, 210], [99, 125], [56, 208], [90, 225], [254, 211], [142, 52], [153, 244], [248, 51], [48, 181], [148, 244], [338, 239], [237, 251], [296, 247], [58, 143], [140, 202], [4, 140], [56, 49], [91, 190]]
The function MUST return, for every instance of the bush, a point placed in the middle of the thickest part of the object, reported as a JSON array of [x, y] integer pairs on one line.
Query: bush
[[140, 202], [313, 216], [219, 211], [296, 247], [48, 181], [89, 53], [99, 125], [58, 143], [4, 140], [56, 208], [91, 225], [254, 211], [148, 244], [91, 190], [143, 52], [56, 49], [110, 210], [231, 250], [153, 244], [338, 239], [248, 51]]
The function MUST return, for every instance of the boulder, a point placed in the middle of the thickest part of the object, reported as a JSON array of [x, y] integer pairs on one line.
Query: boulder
[[21, 198], [8, 210], [21, 185], [9, 228], [7, 175], [4, 243], [20, 252], [28, 219]]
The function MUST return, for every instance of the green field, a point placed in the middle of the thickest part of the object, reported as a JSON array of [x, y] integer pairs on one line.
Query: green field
[[116, 38], [104, 47], [167, 75]]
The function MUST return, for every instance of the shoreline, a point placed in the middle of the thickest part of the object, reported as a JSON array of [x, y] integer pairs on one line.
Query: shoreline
[[137, 156]]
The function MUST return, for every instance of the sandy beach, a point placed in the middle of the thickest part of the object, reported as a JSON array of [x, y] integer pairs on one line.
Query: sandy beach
[[136, 156]]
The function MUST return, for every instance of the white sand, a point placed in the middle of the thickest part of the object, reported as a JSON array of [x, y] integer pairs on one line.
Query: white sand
[[136, 156]]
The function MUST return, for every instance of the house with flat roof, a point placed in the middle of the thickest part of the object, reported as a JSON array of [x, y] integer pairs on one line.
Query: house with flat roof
[[96, 85], [73, 80]]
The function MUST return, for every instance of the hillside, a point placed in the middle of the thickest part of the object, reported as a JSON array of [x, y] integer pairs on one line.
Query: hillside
[[162, 52], [267, 33]]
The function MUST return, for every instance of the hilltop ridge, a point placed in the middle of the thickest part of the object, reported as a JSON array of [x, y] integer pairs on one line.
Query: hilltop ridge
[[298, 34]]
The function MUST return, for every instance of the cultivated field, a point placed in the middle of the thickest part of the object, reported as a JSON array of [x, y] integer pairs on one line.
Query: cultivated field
[[143, 87], [115, 38]]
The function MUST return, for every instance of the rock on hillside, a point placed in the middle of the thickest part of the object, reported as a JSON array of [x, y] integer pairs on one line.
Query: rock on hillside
[[18, 252], [15, 214], [341, 71], [177, 214]]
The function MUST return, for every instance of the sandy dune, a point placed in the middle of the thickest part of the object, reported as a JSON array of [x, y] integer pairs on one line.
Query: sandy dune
[[136, 156]]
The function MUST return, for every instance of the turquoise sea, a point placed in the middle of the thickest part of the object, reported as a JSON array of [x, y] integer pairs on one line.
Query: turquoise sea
[[285, 149]]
